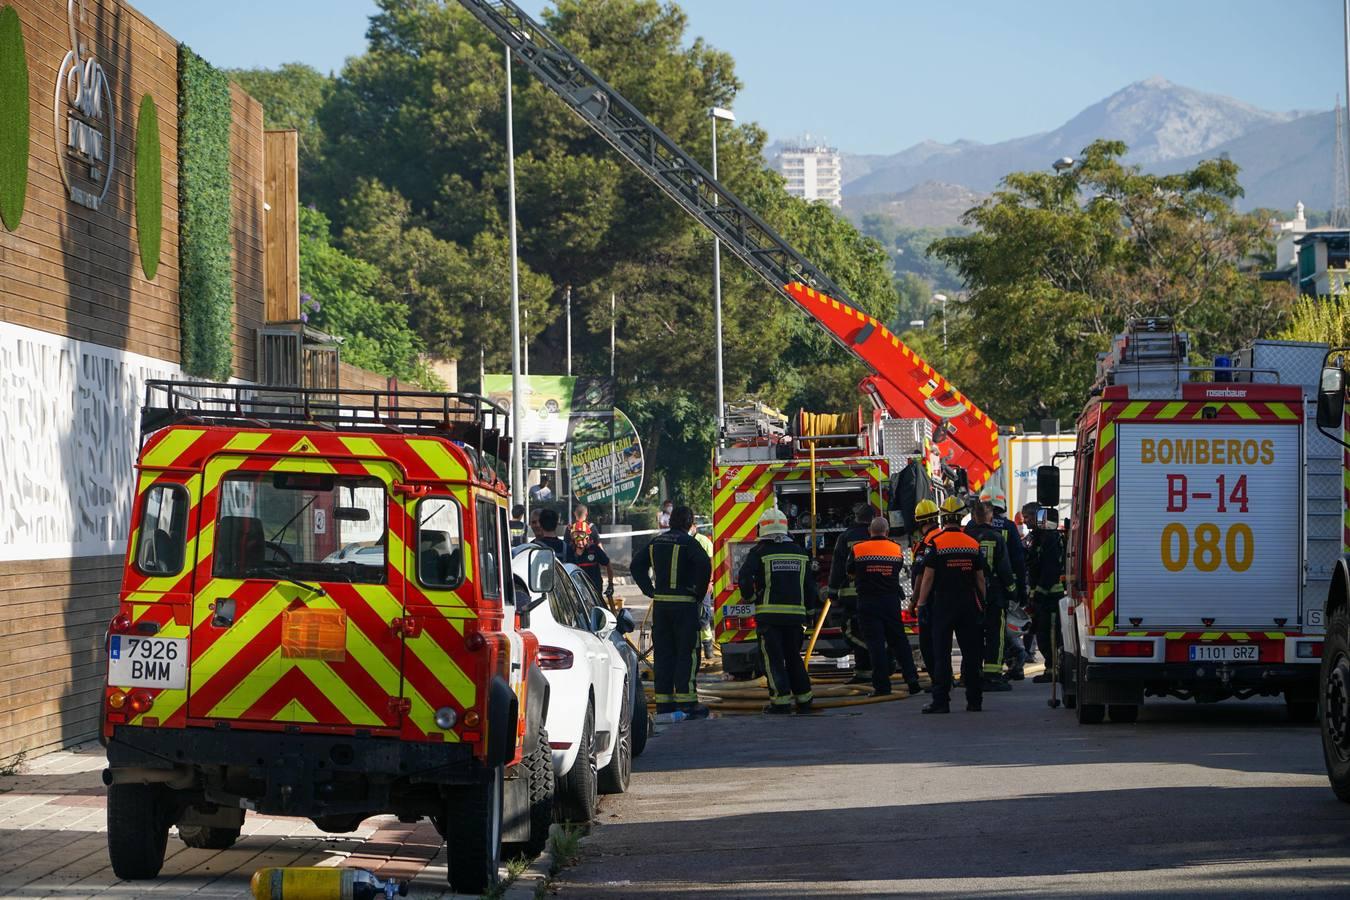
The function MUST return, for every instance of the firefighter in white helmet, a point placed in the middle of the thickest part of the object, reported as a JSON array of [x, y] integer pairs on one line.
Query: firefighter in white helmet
[[776, 577]]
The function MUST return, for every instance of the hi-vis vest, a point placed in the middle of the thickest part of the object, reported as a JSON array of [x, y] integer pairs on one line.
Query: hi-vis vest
[[776, 576]]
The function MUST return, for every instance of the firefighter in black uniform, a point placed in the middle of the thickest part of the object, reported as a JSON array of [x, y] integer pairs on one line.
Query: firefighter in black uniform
[[776, 576], [1002, 589], [925, 525], [674, 571], [1045, 567], [954, 583], [876, 565], [844, 591]]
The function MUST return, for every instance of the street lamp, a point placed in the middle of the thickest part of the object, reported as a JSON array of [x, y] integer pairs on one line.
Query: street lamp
[[718, 113], [1062, 164], [942, 298], [517, 398]]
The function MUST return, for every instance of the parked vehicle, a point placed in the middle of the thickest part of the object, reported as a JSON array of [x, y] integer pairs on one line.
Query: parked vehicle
[[618, 636], [257, 661], [590, 709]]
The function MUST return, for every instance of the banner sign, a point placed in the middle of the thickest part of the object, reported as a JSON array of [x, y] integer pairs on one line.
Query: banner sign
[[605, 467]]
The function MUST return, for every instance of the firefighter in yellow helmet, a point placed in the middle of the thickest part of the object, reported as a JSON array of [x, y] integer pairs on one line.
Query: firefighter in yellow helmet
[[954, 585], [776, 577], [925, 526]]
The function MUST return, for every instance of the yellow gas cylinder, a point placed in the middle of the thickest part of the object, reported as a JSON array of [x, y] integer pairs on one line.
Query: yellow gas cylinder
[[318, 883]]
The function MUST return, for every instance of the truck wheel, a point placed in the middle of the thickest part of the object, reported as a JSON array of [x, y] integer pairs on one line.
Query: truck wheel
[[1088, 713], [578, 789], [1123, 713], [1301, 707], [138, 829], [473, 833], [641, 724], [208, 837], [614, 778], [1336, 704], [538, 765]]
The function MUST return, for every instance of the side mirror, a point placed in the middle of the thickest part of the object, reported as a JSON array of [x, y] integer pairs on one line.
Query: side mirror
[[543, 569], [602, 621], [624, 622], [1047, 485], [1331, 398]]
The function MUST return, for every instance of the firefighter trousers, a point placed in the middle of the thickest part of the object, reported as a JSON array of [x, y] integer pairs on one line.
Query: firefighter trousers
[[886, 637], [995, 637], [857, 639], [675, 652], [925, 626], [1046, 624], [780, 647], [962, 619]]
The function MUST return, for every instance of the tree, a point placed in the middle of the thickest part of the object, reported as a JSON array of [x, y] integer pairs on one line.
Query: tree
[[1060, 262], [291, 97]]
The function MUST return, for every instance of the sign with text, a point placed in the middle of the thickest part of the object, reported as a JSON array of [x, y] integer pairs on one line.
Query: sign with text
[[86, 132], [606, 469]]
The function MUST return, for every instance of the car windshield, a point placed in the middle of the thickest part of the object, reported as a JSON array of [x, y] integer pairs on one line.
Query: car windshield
[[301, 527]]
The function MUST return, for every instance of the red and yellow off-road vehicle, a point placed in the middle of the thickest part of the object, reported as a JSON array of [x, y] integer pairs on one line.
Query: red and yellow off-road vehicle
[[317, 619]]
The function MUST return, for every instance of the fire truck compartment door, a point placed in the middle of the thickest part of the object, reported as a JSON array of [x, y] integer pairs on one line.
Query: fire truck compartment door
[[1208, 526]]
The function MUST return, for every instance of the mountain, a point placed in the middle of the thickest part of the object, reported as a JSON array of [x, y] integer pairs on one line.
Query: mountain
[[1285, 156], [928, 205]]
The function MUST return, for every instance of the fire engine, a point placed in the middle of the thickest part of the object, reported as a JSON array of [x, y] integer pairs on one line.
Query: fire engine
[[316, 619], [1206, 524]]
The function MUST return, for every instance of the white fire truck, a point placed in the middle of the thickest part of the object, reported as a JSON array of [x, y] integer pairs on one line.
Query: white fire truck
[[1206, 526]]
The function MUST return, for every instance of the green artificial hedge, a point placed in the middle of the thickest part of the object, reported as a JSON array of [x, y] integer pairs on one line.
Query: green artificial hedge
[[13, 119], [206, 283], [149, 187]]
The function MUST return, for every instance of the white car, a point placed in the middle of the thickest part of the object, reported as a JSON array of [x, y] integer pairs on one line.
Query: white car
[[590, 713]]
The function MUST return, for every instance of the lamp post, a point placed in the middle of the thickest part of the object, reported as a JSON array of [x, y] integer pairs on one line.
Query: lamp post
[[717, 113], [517, 399]]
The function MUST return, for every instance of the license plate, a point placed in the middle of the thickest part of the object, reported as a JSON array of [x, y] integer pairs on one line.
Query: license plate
[[147, 662], [1225, 652], [739, 610]]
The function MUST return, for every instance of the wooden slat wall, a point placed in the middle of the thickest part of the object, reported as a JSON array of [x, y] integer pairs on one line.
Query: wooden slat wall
[[283, 226], [247, 171]]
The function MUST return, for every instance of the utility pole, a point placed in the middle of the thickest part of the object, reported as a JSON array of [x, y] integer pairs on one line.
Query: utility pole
[[725, 115], [613, 468], [567, 294], [517, 396]]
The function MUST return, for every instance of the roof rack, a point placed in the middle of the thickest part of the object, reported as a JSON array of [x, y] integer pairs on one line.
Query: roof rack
[[469, 419]]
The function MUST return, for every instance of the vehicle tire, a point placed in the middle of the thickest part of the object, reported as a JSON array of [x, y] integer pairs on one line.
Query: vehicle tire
[[1088, 713], [538, 764], [1123, 713], [208, 837], [138, 829], [473, 833], [614, 779], [1335, 700], [577, 790], [641, 720]]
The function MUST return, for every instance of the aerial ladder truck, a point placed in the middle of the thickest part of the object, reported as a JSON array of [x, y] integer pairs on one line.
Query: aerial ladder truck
[[826, 464]]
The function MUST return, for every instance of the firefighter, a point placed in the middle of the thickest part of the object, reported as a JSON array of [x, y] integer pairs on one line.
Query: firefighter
[[954, 583], [1046, 570], [925, 524], [776, 577], [1002, 589], [1012, 539], [674, 571], [1029, 511], [705, 610], [876, 565], [844, 591]]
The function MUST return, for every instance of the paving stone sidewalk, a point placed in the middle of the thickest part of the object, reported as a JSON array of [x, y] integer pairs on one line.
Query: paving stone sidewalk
[[53, 843]]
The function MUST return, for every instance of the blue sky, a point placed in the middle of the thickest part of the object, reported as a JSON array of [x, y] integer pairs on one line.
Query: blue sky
[[875, 76]]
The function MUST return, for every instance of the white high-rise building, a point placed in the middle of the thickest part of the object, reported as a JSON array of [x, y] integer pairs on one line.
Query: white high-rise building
[[812, 170]]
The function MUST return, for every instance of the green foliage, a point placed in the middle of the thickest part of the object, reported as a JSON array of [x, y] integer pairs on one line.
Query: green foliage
[[13, 119], [291, 96], [1324, 320], [1052, 276], [352, 299], [149, 187], [206, 282]]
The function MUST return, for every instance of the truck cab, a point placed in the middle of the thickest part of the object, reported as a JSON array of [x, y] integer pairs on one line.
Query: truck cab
[[316, 619]]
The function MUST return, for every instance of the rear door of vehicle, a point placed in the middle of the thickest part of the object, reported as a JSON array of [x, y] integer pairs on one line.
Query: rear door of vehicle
[[287, 628], [597, 651], [1208, 522]]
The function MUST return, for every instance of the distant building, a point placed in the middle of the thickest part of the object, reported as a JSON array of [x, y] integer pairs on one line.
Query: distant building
[[812, 170], [1313, 260]]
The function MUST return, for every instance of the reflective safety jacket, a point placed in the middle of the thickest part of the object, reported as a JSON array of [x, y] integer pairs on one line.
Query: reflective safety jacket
[[955, 558], [776, 576], [672, 567], [920, 550], [841, 579], [1016, 554], [877, 564], [1002, 586], [1045, 563]]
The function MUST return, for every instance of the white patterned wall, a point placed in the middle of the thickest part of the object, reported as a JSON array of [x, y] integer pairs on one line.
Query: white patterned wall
[[69, 415]]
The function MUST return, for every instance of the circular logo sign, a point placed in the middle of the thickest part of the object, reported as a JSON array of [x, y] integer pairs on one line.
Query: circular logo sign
[[86, 139]]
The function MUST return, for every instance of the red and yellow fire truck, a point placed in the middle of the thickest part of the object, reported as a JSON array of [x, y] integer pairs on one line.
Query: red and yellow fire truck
[[317, 620], [1202, 534]]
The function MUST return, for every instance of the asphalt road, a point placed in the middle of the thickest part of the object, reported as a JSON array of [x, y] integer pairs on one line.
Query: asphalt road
[[1228, 800]]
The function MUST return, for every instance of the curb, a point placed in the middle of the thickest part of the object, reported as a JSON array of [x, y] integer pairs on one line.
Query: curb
[[529, 884]]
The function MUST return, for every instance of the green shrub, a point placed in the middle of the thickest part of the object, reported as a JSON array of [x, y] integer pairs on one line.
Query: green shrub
[[149, 187], [206, 278], [13, 119]]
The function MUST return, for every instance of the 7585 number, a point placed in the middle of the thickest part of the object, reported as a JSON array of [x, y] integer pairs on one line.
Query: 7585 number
[[1207, 547]]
